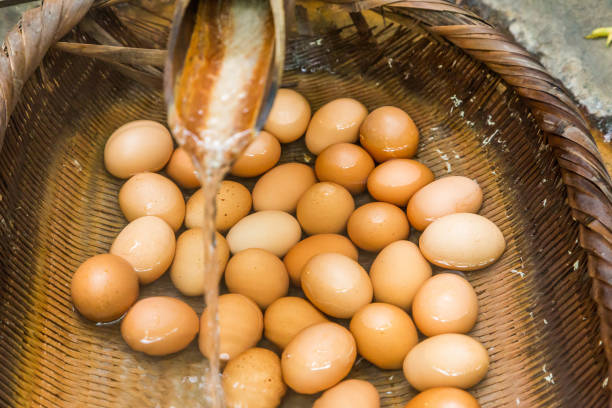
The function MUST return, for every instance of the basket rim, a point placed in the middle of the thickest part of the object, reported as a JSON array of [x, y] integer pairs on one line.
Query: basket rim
[[588, 184]]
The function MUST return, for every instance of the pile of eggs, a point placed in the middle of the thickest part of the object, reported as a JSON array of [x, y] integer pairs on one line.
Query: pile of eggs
[[396, 315]]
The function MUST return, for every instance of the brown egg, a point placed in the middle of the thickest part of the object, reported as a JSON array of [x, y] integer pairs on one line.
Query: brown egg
[[233, 204], [136, 147], [349, 394], [318, 358], [187, 271], [387, 133], [104, 287], [253, 379], [241, 325], [396, 180], [260, 156], [148, 244], [375, 225], [289, 116], [274, 231], [257, 274], [446, 303], [281, 188], [288, 316], [180, 168], [446, 360], [152, 194], [345, 164], [443, 397], [337, 121], [336, 284], [159, 325], [325, 208], [301, 253], [447, 195], [462, 241], [397, 273], [384, 334]]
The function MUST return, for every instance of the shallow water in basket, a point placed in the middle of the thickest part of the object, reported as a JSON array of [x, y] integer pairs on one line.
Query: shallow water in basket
[[59, 207]]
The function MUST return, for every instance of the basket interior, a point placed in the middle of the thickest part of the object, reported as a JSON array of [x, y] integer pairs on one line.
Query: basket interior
[[58, 206]]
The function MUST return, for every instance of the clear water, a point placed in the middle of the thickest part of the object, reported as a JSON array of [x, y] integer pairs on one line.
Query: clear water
[[217, 100]]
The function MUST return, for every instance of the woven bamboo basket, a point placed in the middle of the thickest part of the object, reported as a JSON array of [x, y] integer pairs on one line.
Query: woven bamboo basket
[[74, 70]]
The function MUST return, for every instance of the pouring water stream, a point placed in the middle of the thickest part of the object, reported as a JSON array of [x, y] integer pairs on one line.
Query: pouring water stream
[[225, 60]]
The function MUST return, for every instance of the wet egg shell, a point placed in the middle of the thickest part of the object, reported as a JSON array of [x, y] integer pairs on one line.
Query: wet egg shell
[[384, 334], [336, 284], [288, 316], [281, 188], [397, 273], [159, 325], [447, 195], [337, 121], [136, 147], [152, 194], [254, 379], [375, 225], [325, 208], [304, 250], [395, 181], [257, 274], [389, 132], [240, 326], [318, 358], [349, 394], [260, 156], [233, 204], [148, 244], [443, 397], [446, 360], [187, 271], [104, 287], [289, 116], [446, 303], [274, 231], [462, 241], [180, 168], [345, 164]]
